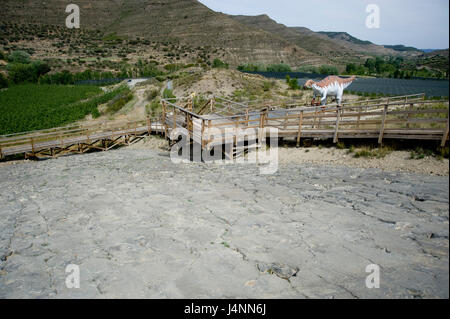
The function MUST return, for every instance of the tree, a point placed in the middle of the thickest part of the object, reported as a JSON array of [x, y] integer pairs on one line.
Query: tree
[[40, 68], [379, 64], [328, 70], [370, 64], [351, 68], [21, 73]]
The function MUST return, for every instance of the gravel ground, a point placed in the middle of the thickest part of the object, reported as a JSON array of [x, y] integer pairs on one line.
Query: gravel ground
[[139, 226]]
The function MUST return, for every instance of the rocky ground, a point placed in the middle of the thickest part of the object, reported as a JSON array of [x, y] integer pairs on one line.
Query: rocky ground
[[138, 225]]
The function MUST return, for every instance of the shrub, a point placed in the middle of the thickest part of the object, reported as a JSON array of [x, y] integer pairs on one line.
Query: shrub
[[340, 145], [308, 69], [21, 73], [154, 108], [293, 83], [249, 67], [168, 94], [217, 63], [3, 81], [152, 94], [420, 153], [328, 70], [119, 102], [19, 57], [27, 73], [373, 153], [268, 85], [281, 67]]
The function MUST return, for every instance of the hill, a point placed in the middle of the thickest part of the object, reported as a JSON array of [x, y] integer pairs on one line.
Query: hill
[[176, 21], [337, 47]]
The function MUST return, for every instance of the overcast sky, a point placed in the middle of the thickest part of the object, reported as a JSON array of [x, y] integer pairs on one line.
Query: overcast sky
[[423, 24]]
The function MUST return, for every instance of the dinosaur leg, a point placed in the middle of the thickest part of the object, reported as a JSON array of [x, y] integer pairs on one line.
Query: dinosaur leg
[[323, 100], [313, 102], [339, 98]]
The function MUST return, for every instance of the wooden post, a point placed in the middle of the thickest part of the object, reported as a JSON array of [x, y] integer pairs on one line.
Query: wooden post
[[236, 126], [261, 125], [174, 119], [1, 154], [315, 118], [338, 117], [408, 117], [149, 124], [209, 126], [164, 118], [300, 124], [383, 123], [32, 145], [247, 118], [203, 131], [445, 135], [358, 120]]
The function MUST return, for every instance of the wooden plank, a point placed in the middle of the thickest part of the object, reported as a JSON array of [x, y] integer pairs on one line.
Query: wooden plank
[[300, 124], [383, 123]]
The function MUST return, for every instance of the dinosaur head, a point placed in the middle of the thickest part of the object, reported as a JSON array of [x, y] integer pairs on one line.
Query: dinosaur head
[[309, 84]]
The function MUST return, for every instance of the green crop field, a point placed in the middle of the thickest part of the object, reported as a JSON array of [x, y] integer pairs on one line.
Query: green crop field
[[34, 107]]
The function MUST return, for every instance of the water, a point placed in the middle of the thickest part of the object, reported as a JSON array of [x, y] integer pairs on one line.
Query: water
[[432, 88]]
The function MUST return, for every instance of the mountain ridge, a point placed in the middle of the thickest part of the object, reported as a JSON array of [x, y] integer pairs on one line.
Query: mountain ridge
[[241, 38]]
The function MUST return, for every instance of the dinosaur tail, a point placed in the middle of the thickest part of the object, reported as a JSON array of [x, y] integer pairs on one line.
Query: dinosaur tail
[[348, 81]]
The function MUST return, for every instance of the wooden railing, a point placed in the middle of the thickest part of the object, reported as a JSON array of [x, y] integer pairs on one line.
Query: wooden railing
[[63, 137], [404, 117]]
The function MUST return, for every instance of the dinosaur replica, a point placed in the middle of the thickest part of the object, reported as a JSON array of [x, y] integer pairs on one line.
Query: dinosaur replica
[[330, 86]]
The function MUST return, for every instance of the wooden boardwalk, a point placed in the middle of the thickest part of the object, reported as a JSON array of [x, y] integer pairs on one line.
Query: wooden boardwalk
[[404, 117], [77, 139], [221, 121]]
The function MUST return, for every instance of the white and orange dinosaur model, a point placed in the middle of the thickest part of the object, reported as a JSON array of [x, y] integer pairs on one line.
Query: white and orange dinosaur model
[[330, 86]]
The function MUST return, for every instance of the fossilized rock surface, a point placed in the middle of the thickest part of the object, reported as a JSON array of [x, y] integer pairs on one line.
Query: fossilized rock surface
[[138, 225]]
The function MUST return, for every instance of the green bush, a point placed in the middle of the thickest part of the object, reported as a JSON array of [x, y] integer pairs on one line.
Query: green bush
[[217, 63], [168, 94], [119, 102], [308, 69], [19, 57], [154, 108], [328, 70], [3, 81], [250, 67], [281, 67], [293, 83], [21, 73], [152, 94], [373, 153]]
